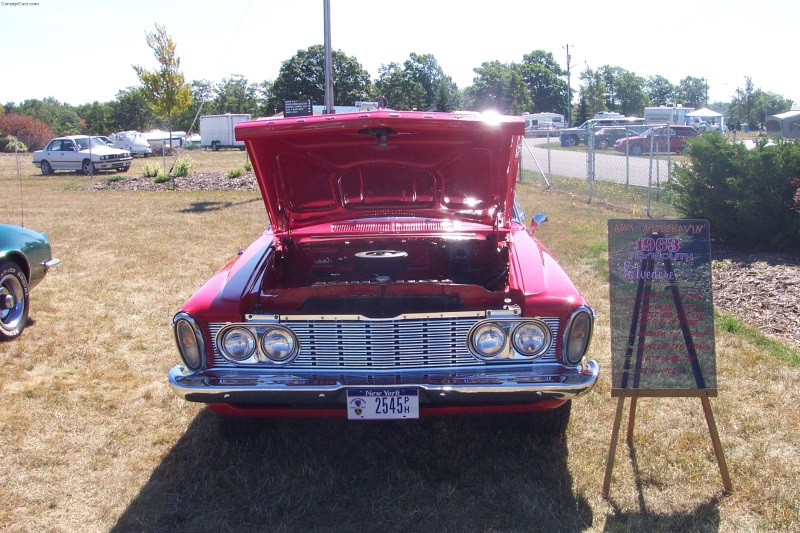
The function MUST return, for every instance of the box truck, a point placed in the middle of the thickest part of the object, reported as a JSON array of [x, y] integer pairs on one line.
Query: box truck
[[216, 131]]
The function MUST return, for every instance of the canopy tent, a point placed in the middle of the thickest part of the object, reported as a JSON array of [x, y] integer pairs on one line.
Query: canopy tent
[[710, 116]]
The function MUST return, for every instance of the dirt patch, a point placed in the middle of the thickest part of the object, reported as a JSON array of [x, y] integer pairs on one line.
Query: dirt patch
[[762, 289]]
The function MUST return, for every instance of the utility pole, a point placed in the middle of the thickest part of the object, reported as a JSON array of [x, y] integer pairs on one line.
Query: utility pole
[[569, 90], [328, 60]]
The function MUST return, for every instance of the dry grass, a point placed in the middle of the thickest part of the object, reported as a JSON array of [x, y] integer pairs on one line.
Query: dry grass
[[91, 438]]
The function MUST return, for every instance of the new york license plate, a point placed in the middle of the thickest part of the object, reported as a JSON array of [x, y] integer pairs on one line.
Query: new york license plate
[[382, 404]]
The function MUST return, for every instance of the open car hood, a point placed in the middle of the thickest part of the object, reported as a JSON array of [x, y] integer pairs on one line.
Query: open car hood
[[330, 168]]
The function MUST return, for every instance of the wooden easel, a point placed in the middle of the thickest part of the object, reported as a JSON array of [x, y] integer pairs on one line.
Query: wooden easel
[[637, 331], [634, 395]]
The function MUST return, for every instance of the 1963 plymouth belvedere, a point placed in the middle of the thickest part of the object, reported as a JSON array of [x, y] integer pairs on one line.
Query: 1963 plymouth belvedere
[[396, 280]]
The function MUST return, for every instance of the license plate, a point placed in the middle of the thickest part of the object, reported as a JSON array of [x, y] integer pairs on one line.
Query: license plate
[[382, 404]]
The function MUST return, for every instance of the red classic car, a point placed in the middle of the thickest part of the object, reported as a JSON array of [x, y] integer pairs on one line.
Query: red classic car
[[396, 280], [659, 139]]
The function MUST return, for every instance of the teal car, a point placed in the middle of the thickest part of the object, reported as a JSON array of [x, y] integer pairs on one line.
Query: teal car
[[24, 260]]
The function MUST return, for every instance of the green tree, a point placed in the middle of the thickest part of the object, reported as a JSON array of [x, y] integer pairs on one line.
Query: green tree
[[500, 87], [631, 95], [659, 90], [593, 91], [302, 77], [61, 117], [544, 78], [131, 111], [419, 84], [237, 95], [165, 88], [96, 117], [582, 113], [692, 92]]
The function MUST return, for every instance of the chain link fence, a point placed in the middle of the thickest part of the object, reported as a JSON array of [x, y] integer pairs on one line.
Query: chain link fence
[[616, 165]]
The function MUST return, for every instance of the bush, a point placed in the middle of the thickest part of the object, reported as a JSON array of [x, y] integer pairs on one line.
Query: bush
[[151, 171], [750, 197], [30, 131], [10, 144], [248, 166], [183, 166], [161, 179], [235, 173]]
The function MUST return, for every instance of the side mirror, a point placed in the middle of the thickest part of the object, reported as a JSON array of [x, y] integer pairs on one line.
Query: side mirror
[[537, 220]]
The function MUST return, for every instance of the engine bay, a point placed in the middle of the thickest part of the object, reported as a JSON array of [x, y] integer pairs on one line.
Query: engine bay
[[382, 277]]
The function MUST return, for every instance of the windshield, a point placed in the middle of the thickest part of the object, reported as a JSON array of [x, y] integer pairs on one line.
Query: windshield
[[83, 143]]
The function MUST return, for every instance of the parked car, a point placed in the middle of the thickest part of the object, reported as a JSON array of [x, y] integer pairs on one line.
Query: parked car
[[81, 153], [606, 137], [24, 260], [664, 139], [396, 280], [132, 141], [578, 135]]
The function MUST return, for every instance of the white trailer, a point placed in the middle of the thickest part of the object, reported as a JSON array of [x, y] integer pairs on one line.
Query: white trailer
[[543, 121], [677, 115], [216, 131]]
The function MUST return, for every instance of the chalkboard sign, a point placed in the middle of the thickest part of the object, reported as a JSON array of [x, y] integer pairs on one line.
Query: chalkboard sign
[[662, 314], [297, 108]]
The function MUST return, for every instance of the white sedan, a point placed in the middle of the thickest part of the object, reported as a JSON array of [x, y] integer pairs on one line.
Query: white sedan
[[81, 153]]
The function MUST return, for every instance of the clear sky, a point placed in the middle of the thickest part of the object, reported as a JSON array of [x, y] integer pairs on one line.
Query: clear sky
[[79, 52]]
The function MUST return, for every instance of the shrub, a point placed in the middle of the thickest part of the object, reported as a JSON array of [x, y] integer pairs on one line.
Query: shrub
[[235, 173], [151, 171], [161, 179], [248, 166], [750, 197], [183, 166], [29, 130], [9, 144]]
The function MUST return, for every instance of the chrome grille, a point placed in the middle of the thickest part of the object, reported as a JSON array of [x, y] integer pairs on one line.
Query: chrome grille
[[401, 343]]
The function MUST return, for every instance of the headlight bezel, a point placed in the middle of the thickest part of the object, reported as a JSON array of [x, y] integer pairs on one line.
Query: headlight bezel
[[186, 330], [573, 354]]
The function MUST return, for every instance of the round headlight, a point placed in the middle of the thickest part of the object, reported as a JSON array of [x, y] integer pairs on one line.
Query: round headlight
[[531, 339], [279, 344], [190, 343], [488, 340], [576, 338], [237, 344]]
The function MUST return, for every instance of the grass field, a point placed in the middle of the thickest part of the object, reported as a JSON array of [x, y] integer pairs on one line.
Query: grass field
[[92, 439]]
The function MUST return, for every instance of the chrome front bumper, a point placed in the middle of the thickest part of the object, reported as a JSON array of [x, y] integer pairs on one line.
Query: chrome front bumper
[[462, 386]]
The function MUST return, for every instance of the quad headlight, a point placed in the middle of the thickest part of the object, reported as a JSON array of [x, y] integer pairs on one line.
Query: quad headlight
[[531, 339], [279, 344], [236, 343], [488, 340], [252, 344], [510, 340]]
